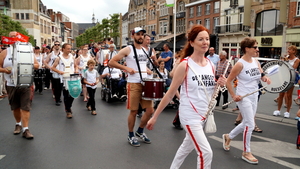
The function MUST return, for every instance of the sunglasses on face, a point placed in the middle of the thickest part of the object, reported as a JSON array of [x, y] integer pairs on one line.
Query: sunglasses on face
[[254, 47], [56, 44]]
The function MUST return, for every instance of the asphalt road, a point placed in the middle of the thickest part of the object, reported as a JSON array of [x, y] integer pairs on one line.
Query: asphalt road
[[100, 141]]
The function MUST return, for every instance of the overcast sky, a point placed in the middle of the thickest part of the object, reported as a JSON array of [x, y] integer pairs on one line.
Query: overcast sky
[[82, 11]]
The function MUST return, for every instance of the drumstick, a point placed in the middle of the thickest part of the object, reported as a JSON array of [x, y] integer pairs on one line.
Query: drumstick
[[245, 95], [141, 71]]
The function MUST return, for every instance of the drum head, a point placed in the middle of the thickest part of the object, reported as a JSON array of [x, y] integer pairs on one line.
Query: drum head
[[15, 65], [281, 74]]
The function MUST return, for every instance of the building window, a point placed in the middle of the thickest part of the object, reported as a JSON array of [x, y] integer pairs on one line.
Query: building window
[[207, 23], [191, 23], [233, 44], [267, 23], [163, 10], [198, 21], [36, 18], [17, 16], [191, 12], [225, 45], [207, 9], [163, 28], [27, 16], [22, 16], [227, 20], [241, 14], [181, 6], [216, 23], [217, 7], [298, 8], [199, 10]]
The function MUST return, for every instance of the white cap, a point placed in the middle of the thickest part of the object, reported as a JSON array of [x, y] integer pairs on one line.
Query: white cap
[[137, 29]]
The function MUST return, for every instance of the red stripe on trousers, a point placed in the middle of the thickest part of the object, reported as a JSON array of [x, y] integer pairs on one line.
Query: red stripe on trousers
[[197, 146], [128, 95], [298, 143], [245, 133]]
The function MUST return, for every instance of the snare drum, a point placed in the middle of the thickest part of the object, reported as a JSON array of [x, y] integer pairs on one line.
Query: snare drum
[[153, 89], [282, 80], [22, 64]]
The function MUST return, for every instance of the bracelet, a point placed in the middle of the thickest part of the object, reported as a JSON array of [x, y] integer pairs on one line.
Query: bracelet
[[263, 74]]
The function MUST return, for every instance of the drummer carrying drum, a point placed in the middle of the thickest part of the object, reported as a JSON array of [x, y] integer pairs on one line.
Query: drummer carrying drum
[[19, 97], [136, 61], [66, 67]]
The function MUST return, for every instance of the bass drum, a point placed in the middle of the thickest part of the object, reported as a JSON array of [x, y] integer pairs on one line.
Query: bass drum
[[22, 64], [281, 74]]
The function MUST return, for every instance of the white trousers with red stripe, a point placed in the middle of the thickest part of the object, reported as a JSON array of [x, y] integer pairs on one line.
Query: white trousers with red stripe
[[194, 139], [248, 107]]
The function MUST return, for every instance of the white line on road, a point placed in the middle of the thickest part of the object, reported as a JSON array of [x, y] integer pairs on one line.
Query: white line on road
[[2, 156], [268, 149]]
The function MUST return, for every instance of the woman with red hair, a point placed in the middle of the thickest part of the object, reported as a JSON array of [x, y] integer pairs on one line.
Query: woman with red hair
[[196, 76]]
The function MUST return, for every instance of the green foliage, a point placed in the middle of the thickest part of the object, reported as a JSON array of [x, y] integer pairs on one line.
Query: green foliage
[[7, 25], [108, 28]]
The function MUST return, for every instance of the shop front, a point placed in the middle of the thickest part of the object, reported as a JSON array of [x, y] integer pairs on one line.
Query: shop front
[[269, 46]]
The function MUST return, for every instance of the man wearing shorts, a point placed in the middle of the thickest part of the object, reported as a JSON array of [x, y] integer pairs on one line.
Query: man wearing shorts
[[134, 86], [18, 97]]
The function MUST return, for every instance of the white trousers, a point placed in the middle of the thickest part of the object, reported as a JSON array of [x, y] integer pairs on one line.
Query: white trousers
[[248, 107], [194, 139]]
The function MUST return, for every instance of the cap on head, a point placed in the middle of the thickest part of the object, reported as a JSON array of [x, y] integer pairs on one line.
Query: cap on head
[[48, 47], [137, 29]]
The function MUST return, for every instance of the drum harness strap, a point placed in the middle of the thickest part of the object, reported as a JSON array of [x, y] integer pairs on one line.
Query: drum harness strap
[[154, 67], [137, 62], [66, 63]]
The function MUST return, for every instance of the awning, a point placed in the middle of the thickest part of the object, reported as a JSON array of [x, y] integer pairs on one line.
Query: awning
[[158, 46], [168, 37]]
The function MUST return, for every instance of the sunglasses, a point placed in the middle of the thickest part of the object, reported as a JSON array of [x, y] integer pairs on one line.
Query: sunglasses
[[254, 47], [56, 44]]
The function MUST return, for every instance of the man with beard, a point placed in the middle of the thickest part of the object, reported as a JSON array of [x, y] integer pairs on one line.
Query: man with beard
[[136, 69]]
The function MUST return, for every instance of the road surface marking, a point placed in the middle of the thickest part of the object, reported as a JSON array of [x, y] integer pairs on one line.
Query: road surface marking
[[269, 149], [2, 156]]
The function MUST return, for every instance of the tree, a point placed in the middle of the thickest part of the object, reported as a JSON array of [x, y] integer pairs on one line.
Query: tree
[[7, 25], [114, 24], [108, 28]]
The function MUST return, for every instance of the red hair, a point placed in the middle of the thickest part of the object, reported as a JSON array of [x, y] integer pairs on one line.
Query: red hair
[[191, 36]]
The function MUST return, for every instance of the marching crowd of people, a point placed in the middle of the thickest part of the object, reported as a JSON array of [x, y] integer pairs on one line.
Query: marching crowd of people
[[190, 76]]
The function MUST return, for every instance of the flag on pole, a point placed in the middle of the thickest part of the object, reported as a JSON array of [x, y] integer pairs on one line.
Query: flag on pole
[[8, 40], [22, 38], [170, 3]]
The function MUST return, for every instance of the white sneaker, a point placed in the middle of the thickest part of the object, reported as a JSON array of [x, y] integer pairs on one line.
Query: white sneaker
[[276, 113], [286, 115]]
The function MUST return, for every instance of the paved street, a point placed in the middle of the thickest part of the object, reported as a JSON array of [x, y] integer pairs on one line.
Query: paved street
[[100, 141]]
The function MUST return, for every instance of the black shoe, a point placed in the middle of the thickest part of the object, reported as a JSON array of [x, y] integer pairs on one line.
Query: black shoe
[[224, 107], [139, 115], [178, 126], [57, 104]]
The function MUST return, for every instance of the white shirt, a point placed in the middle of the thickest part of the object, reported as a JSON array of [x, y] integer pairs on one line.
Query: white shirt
[[91, 77], [114, 72], [192, 91], [130, 61]]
